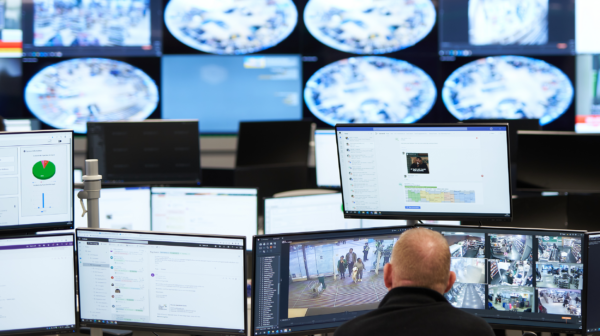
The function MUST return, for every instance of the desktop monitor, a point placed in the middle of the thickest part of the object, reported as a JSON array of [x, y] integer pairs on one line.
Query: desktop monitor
[[327, 166], [425, 171], [223, 90], [37, 285], [480, 27], [151, 151], [161, 282], [36, 175], [525, 279], [558, 161], [120, 208], [226, 211], [591, 304]]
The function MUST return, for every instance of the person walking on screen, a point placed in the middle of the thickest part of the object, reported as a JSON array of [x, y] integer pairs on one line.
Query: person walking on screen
[[350, 259], [366, 252], [342, 267], [361, 267], [419, 167], [417, 277]]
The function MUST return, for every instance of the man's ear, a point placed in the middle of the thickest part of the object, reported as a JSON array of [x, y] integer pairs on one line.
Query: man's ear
[[388, 276], [451, 280]]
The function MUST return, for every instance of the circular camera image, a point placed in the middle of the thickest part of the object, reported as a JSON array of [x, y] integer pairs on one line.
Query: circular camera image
[[231, 26], [369, 26], [508, 87], [68, 94], [370, 89]]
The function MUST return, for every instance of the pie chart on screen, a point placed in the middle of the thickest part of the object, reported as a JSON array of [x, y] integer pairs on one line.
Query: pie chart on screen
[[43, 170]]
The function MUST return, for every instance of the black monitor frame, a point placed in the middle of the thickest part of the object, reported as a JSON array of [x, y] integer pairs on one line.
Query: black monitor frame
[[29, 228], [44, 331], [150, 183], [586, 273], [417, 216], [152, 327]]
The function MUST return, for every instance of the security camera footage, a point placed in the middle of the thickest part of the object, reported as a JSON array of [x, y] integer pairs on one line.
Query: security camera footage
[[495, 27], [506, 276], [57, 28]]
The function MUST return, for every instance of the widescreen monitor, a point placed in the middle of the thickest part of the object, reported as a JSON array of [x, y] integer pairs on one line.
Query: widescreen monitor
[[313, 213], [221, 91], [36, 179], [327, 166], [37, 285], [161, 282], [427, 171], [152, 151], [86, 28], [120, 208], [557, 161], [591, 303], [228, 211], [498, 27]]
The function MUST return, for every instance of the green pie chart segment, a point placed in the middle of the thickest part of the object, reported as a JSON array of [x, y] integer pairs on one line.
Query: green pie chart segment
[[43, 170]]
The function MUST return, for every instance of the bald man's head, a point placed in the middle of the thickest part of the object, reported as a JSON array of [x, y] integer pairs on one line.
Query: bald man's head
[[421, 258]]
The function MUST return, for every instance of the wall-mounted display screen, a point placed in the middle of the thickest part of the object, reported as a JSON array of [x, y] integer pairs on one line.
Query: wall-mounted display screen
[[66, 28], [501, 27], [588, 94], [11, 35]]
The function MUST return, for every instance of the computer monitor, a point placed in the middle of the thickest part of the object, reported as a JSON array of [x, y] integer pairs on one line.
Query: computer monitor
[[273, 143], [20, 125], [151, 151], [328, 169], [36, 175], [120, 208], [221, 91], [587, 96], [226, 211], [38, 285], [526, 279], [426, 171], [557, 161], [478, 27], [585, 26], [161, 282], [298, 289], [52, 29], [591, 303]]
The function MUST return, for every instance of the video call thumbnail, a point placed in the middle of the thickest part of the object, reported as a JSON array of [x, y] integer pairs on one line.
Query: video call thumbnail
[[467, 295], [333, 276], [511, 247], [507, 298], [560, 249], [559, 301], [511, 273], [417, 163]]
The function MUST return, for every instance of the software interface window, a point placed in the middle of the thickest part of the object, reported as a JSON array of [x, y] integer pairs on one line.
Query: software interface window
[[36, 177], [593, 292], [326, 160], [120, 208], [138, 279], [205, 210], [231, 89], [502, 276], [424, 170], [38, 293]]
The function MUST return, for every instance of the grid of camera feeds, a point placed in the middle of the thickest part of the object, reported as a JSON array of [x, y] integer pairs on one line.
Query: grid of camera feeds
[[513, 272]]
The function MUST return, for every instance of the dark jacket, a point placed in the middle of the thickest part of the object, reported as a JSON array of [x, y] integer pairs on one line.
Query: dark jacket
[[409, 311]]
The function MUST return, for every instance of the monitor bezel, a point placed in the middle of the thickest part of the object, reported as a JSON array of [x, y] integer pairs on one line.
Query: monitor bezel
[[65, 225], [585, 246], [417, 216], [164, 327], [323, 186], [197, 182], [199, 187], [37, 331]]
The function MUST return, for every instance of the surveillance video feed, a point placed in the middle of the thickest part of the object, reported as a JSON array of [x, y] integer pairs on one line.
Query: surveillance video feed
[[559, 249], [369, 27], [508, 87], [11, 36], [588, 94], [466, 295], [511, 247], [508, 22], [468, 270], [511, 273], [559, 301], [507, 298], [332, 276], [559, 275], [370, 89], [466, 244], [231, 26], [70, 93], [85, 23]]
